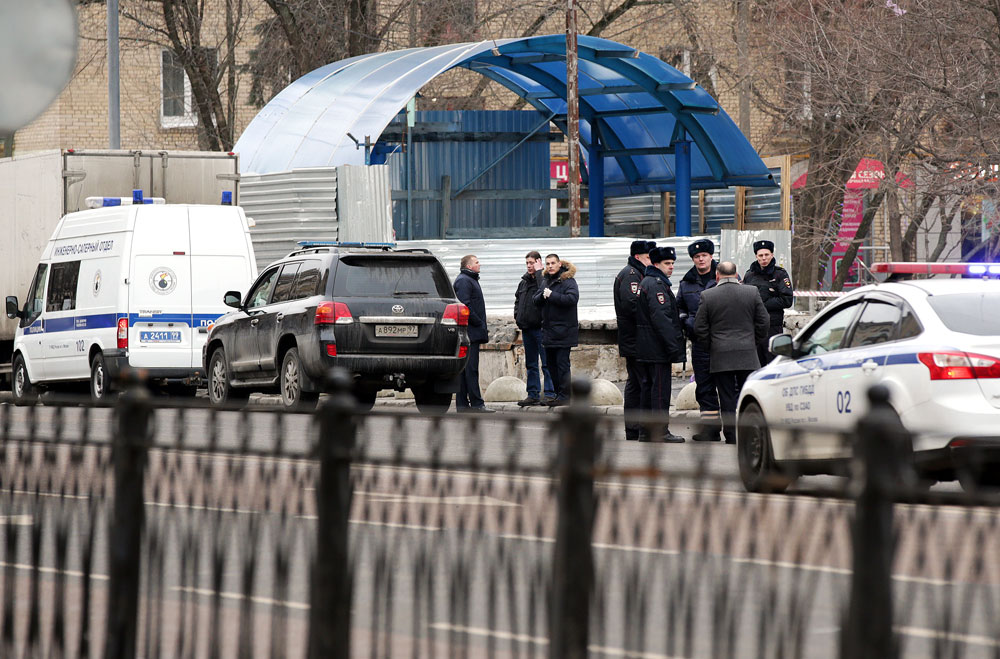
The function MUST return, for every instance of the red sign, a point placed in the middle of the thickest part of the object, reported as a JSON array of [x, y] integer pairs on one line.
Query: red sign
[[850, 220], [867, 176], [559, 170]]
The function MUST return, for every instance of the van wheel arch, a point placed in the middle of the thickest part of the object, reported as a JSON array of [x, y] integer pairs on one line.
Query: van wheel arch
[[94, 351]]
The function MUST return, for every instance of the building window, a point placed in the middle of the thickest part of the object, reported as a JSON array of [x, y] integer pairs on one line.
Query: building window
[[177, 108]]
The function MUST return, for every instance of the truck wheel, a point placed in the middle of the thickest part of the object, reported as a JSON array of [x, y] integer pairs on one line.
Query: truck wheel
[[220, 389], [291, 382], [428, 400], [100, 383], [753, 449], [20, 384]]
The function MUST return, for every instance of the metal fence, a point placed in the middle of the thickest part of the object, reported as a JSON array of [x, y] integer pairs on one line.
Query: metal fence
[[151, 529]]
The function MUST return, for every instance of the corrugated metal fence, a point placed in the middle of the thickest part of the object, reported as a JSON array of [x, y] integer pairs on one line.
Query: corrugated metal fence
[[316, 203]]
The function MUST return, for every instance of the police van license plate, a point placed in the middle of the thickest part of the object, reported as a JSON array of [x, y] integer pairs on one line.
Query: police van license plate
[[159, 337], [396, 331]]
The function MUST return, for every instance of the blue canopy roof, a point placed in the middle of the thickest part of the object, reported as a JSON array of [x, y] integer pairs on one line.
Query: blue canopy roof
[[637, 105]]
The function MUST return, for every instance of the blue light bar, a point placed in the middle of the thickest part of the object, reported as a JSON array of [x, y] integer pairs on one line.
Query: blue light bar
[[977, 269], [227, 197], [305, 244], [112, 201], [137, 196], [995, 269]]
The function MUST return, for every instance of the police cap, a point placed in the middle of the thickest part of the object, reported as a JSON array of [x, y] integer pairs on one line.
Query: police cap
[[639, 247], [658, 254], [763, 244], [703, 245]]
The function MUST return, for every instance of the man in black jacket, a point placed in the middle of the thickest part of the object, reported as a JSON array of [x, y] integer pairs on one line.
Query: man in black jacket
[[560, 327], [470, 293], [659, 337], [696, 281], [529, 320], [775, 287], [731, 321], [626, 296]]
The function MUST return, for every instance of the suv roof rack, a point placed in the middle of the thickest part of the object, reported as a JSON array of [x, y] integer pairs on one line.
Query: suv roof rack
[[319, 246]]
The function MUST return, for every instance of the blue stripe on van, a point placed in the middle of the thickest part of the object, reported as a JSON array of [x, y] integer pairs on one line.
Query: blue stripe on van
[[110, 320]]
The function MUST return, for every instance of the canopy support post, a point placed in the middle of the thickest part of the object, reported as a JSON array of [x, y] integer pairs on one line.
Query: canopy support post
[[682, 172], [595, 169]]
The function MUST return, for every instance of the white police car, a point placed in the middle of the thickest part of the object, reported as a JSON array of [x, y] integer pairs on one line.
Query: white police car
[[934, 343]]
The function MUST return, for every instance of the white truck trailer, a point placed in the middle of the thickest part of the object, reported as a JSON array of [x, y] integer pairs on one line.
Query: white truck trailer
[[37, 189]]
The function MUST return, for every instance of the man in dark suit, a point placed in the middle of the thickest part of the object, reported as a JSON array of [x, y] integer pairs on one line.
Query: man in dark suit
[[470, 293], [730, 322]]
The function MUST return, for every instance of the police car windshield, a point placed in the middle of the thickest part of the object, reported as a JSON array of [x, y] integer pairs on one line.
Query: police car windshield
[[969, 313]]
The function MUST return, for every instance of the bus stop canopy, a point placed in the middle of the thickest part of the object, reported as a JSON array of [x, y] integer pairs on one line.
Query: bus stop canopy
[[655, 128]]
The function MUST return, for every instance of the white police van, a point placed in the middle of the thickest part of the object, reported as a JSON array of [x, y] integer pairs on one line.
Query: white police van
[[934, 343], [129, 283]]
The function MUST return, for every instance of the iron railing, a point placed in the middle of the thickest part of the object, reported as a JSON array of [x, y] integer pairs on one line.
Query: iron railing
[[157, 529]]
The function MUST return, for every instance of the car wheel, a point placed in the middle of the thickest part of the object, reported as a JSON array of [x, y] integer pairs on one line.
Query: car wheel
[[20, 384], [429, 400], [220, 389], [753, 448], [290, 382], [100, 382]]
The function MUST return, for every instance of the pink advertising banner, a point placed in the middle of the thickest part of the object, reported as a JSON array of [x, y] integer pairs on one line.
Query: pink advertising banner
[[850, 220]]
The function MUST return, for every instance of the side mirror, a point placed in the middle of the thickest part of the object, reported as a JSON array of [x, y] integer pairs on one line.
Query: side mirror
[[233, 299], [782, 344], [12, 310]]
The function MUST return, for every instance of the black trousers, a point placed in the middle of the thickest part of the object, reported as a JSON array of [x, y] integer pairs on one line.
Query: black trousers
[[468, 383], [656, 384], [633, 397], [729, 384], [704, 393], [558, 359], [763, 354]]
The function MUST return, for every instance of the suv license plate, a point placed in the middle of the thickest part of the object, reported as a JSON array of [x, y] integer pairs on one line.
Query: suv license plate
[[403, 331], [159, 337]]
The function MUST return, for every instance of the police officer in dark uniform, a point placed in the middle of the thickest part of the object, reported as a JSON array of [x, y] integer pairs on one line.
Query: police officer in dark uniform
[[659, 335], [699, 278], [626, 295], [775, 287]]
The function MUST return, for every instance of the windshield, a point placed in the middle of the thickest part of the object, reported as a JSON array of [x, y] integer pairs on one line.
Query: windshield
[[969, 313], [389, 277]]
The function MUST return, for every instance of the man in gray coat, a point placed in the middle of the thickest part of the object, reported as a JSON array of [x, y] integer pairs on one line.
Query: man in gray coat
[[730, 322]]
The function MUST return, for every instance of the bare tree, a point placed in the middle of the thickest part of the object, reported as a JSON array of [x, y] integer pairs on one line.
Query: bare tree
[[205, 50]]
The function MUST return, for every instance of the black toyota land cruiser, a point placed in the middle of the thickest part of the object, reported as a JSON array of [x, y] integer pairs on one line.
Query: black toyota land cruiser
[[388, 316]]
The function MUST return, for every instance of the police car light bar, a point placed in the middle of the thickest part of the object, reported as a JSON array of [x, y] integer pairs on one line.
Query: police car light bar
[[306, 244], [922, 268], [100, 202]]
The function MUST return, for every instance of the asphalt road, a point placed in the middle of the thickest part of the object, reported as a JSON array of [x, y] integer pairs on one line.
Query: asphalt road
[[453, 526]]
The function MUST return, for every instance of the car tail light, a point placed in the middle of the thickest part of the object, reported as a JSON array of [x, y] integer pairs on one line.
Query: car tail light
[[463, 351], [122, 333], [960, 365], [331, 349], [329, 313], [455, 314]]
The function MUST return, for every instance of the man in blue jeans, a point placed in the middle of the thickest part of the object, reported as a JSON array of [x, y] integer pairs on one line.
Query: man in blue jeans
[[528, 317]]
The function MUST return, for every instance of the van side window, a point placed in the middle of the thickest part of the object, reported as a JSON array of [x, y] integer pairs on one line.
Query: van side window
[[262, 291], [283, 289], [62, 286], [35, 301], [307, 284]]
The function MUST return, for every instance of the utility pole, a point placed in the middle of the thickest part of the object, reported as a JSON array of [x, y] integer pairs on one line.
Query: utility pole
[[114, 101], [573, 119]]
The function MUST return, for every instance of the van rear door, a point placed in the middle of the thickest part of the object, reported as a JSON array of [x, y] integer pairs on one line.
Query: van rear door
[[160, 282], [221, 260]]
